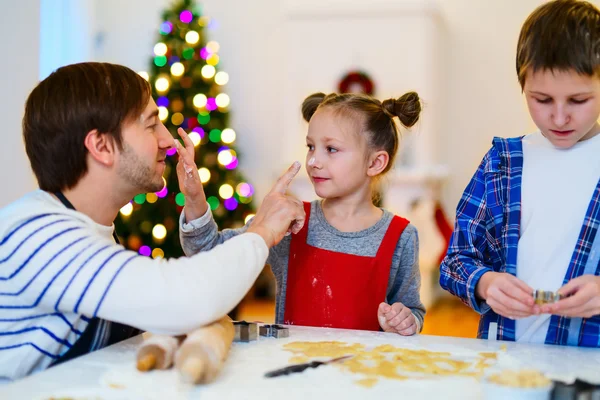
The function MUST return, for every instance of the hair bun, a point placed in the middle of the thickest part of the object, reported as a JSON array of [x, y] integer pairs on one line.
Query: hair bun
[[407, 108], [310, 105]]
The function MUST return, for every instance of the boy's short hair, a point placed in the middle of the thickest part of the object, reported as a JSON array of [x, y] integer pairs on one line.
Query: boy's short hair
[[64, 107], [560, 35]]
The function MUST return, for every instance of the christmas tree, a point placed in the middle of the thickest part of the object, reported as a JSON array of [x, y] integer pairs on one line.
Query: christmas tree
[[187, 84]]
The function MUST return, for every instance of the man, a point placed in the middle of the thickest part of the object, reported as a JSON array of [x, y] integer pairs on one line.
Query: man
[[94, 141]]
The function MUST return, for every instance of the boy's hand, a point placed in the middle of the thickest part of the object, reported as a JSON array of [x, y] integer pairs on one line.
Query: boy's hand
[[583, 300], [506, 295], [397, 318], [189, 179]]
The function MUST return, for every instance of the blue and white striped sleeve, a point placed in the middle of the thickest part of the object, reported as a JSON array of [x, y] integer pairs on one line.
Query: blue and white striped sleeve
[[59, 263]]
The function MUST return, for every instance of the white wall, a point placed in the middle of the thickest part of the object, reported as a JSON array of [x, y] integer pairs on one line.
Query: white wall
[[67, 33], [19, 22], [482, 96]]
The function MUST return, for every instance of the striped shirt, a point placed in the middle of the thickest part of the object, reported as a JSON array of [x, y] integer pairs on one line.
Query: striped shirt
[[486, 236], [59, 269]]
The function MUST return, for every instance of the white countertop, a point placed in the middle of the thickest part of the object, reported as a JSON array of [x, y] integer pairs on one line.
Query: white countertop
[[110, 374]]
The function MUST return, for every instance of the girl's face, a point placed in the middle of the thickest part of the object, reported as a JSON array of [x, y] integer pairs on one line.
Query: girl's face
[[337, 157]]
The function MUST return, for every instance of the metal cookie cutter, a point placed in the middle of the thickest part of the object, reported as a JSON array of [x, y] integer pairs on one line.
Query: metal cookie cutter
[[245, 331], [546, 297], [276, 331]]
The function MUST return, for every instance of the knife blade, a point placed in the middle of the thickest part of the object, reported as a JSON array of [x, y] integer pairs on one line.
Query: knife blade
[[296, 368]]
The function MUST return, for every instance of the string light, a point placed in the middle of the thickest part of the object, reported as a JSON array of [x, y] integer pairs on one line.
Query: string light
[[203, 118], [213, 60], [145, 251], [159, 231], [127, 209], [245, 200], [244, 190], [213, 46], [192, 37], [186, 16], [140, 198], [177, 69], [211, 104], [188, 53], [200, 100], [204, 174], [162, 101], [208, 71], [177, 119], [198, 130], [166, 28], [163, 113], [195, 138], [151, 198], [231, 203], [221, 78], [226, 191], [144, 75], [225, 157], [214, 136], [158, 253], [248, 218], [204, 53], [160, 49], [162, 84], [228, 136], [233, 164], [160, 61], [162, 193], [222, 100], [213, 202]]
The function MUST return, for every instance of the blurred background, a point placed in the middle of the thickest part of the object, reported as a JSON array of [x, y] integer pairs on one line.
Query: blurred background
[[235, 72]]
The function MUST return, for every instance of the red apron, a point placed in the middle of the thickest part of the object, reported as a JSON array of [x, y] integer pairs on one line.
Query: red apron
[[338, 290]]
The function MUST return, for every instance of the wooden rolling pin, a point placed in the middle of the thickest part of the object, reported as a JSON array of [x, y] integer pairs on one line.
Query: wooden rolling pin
[[202, 354], [157, 351]]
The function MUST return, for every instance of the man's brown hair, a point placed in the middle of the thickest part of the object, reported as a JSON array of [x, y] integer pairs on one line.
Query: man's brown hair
[[66, 106]]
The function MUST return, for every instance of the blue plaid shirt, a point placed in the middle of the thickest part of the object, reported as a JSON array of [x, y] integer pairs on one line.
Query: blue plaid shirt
[[486, 235]]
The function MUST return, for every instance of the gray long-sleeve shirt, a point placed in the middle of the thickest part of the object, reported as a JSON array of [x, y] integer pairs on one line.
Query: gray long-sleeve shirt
[[404, 282]]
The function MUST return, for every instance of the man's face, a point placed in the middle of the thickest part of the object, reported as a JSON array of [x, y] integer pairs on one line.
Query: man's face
[[145, 144], [564, 105]]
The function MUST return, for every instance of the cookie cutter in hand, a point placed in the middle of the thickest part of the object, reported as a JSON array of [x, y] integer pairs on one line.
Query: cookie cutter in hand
[[546, 297]]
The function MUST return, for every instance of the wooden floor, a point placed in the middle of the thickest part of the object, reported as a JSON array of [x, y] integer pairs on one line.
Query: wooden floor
[[447, 317]]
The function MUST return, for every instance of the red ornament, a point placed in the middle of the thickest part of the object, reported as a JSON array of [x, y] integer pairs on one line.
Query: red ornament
[[192, 123], [356, 78]]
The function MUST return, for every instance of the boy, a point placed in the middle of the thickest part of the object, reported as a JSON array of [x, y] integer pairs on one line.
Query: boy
[[529, 217]]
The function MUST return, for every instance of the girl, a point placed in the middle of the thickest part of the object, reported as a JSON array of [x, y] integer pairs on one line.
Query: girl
[[353, 265]]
